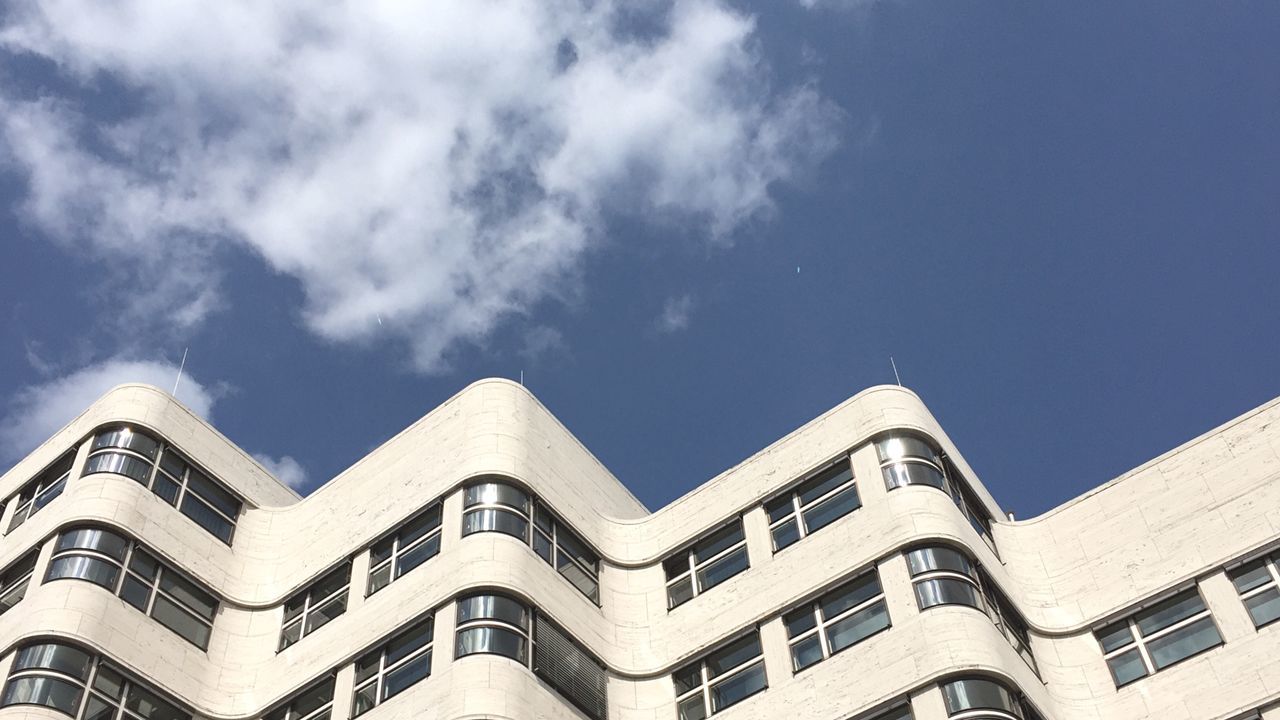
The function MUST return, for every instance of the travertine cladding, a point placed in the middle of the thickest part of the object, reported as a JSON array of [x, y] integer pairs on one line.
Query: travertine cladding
[[1174, 520]]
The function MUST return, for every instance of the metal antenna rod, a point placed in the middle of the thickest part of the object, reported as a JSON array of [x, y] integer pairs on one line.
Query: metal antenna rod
[[180, 367], [895, 371]]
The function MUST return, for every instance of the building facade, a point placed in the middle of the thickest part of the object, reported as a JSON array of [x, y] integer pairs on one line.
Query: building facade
[[483, 564]]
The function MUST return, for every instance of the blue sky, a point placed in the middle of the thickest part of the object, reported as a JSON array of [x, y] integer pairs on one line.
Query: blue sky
[[692, 224]]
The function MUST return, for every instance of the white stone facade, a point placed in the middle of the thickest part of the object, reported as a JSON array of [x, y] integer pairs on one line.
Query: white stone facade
[[1183, 520]]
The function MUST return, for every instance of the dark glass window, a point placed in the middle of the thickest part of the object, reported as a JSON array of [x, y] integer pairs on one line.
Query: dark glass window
[[910, 460], [1158, 636], [313, 703], [721, 678], [837, 620], [402, 661], [412, 544], [1258, 583], [314, 607], [129, 570], [493, 624], [42, 490], [160, 467], [15, 579], [77, 683], [707, 563], [818, 501]]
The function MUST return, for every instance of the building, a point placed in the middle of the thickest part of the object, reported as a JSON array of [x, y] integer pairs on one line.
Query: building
[[482, 564]]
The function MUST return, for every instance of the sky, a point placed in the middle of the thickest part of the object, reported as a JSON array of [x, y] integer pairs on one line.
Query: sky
[[691, 225]]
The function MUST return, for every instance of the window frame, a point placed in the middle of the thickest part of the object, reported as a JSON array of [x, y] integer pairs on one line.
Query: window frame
[[1018, 708], [1140, 642], [524, 631], [157, 474], [378, 680], [1271, 564], [286, 711], [125, 572], [43, 490], [822, 624], [311, 605], [707, 683], [799, 508], [399, 548], [16, 579], [953, 483], [696, 566]]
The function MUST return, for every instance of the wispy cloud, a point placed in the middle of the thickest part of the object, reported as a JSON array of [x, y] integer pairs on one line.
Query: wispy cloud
[[438, 167], [285, 468], [37, 411], [675, 314]]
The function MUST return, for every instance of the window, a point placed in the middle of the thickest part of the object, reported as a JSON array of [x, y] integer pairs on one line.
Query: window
[[39, 492], [132, 572], [709, 562], [313, 608], [984, 699], [945, 576], [15, 579], [839, 619], [1158, 636], [910, 460], [721, 678], [494, 506], [493, 624], [402, 661], [128, 452], [820, 500], [500, 625], [412, 544], [57, 675], [902, 712], [314, 703], [1258, 583]]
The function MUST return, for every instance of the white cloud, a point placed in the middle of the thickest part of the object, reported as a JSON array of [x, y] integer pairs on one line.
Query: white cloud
[[440, 166], [38, 411], [286, 469], [675, 314]]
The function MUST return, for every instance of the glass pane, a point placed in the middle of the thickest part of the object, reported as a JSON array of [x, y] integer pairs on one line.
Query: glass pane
[[1162, 615], [336, 580], [1127, 667], [858, 626], [172, 464], [54, 656], [48, 494], [166, 488], [898, 713], [722, 569], [313, 698], [687, 677], [80, 567], [679, 592], [733, 655], [824, 483], [806, 652], [904, 446], [579, 578], [832, 509], [96, 709], [213, 494], [946, 591], [498, 641], [319, 617], [151, 707], [494, 520], [718, 542], [107, 543], [1115, 636], [368, 666], [676, 565], [779, 508], [977, 694], [1250, 576], [493, 607], [379, 578], [738, 687], [120, 464], [14, 595], [693, 708], [180, 621], [417, 555], [290, 634], [186, 592], [785, 535], [127, 438], [419, 526], [903, 474], [800, 621], [850, 595], [494, 493], [143, 564], [50, 692], [1264, 607], [409, 641], [196, 509], [365, 699], [577, 549], [406, 675], [135, 592], [543, 518], [542, 546], [108, 682], [382, 551], [1183, 643], [930, 559]]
